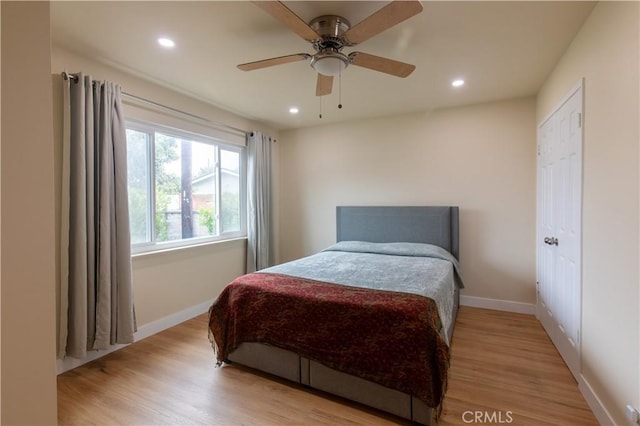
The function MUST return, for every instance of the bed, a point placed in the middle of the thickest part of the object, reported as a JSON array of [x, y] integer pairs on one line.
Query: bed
[[358, 319]]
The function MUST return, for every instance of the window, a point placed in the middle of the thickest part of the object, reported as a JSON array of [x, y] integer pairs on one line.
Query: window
[[184, 189]]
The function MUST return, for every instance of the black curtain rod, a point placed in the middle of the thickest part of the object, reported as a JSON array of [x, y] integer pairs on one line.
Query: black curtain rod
[[74, 78], [270, 138]]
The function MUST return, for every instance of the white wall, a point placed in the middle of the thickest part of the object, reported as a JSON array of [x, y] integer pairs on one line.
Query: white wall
[[169, 282], [606, 53], [27, 263], [480, 158]]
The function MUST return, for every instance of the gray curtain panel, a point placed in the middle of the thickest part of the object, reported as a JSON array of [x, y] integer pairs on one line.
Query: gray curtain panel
[[96, 298], [259, 215]]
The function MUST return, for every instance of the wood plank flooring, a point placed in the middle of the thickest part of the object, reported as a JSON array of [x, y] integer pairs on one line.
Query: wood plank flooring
[[504, 370]]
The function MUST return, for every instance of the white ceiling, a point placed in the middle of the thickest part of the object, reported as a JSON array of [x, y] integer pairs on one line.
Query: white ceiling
[[502, 49]]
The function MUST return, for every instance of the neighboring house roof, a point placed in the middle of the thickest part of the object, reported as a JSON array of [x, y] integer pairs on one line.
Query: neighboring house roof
[[202, 184], [212, 175]]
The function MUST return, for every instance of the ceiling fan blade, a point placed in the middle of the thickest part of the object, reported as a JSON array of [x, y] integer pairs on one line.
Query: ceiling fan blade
[[283, 14], [250, 66], [378, 63], [324, 84], [383, 19]]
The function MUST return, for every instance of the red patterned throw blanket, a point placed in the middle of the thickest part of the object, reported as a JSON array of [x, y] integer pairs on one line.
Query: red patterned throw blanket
[[388, 338]]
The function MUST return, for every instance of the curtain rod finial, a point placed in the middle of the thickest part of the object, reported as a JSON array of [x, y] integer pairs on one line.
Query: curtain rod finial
[[67, 76]]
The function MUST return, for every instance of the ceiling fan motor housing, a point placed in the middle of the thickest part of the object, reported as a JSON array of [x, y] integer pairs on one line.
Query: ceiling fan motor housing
[[331, 29]]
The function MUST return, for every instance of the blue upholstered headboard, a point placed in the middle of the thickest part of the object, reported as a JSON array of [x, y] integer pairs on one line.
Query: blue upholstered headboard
[[436, 225]]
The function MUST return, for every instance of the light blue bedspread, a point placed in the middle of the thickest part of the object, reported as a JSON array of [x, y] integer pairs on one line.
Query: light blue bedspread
[[422, 269]]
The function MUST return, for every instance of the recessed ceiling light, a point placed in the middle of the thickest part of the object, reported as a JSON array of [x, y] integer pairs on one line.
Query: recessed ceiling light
[[457, 83], [166, 42], [294, 110]]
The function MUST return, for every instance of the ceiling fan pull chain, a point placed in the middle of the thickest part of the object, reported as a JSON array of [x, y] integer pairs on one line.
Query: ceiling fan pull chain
[[320, 98], [340, 90]]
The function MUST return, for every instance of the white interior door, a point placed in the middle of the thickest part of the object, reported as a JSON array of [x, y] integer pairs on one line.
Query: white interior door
[[559, 201]]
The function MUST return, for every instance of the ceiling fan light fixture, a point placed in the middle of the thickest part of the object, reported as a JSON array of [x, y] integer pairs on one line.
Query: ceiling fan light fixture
[[330, 64]]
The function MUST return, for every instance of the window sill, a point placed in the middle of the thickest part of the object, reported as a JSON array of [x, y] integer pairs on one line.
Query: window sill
[[182, 249]]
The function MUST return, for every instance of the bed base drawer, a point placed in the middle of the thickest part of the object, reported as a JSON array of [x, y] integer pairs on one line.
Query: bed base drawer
[[272, 360], [290, 366]]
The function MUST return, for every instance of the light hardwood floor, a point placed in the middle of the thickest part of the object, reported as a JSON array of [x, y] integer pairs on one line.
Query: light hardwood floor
[[504, 370]]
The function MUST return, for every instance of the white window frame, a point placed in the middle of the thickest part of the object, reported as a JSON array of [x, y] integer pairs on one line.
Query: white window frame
[[153, 245]]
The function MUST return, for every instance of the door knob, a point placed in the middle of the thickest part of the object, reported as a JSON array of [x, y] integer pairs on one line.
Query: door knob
[[552, 241]]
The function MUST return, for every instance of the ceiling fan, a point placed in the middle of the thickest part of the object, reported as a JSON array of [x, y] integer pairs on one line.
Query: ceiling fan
[[329, 34]]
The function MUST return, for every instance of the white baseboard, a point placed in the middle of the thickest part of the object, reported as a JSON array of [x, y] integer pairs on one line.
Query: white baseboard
[[172, 320], [143, 332], [498, 305], [599, 410]]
